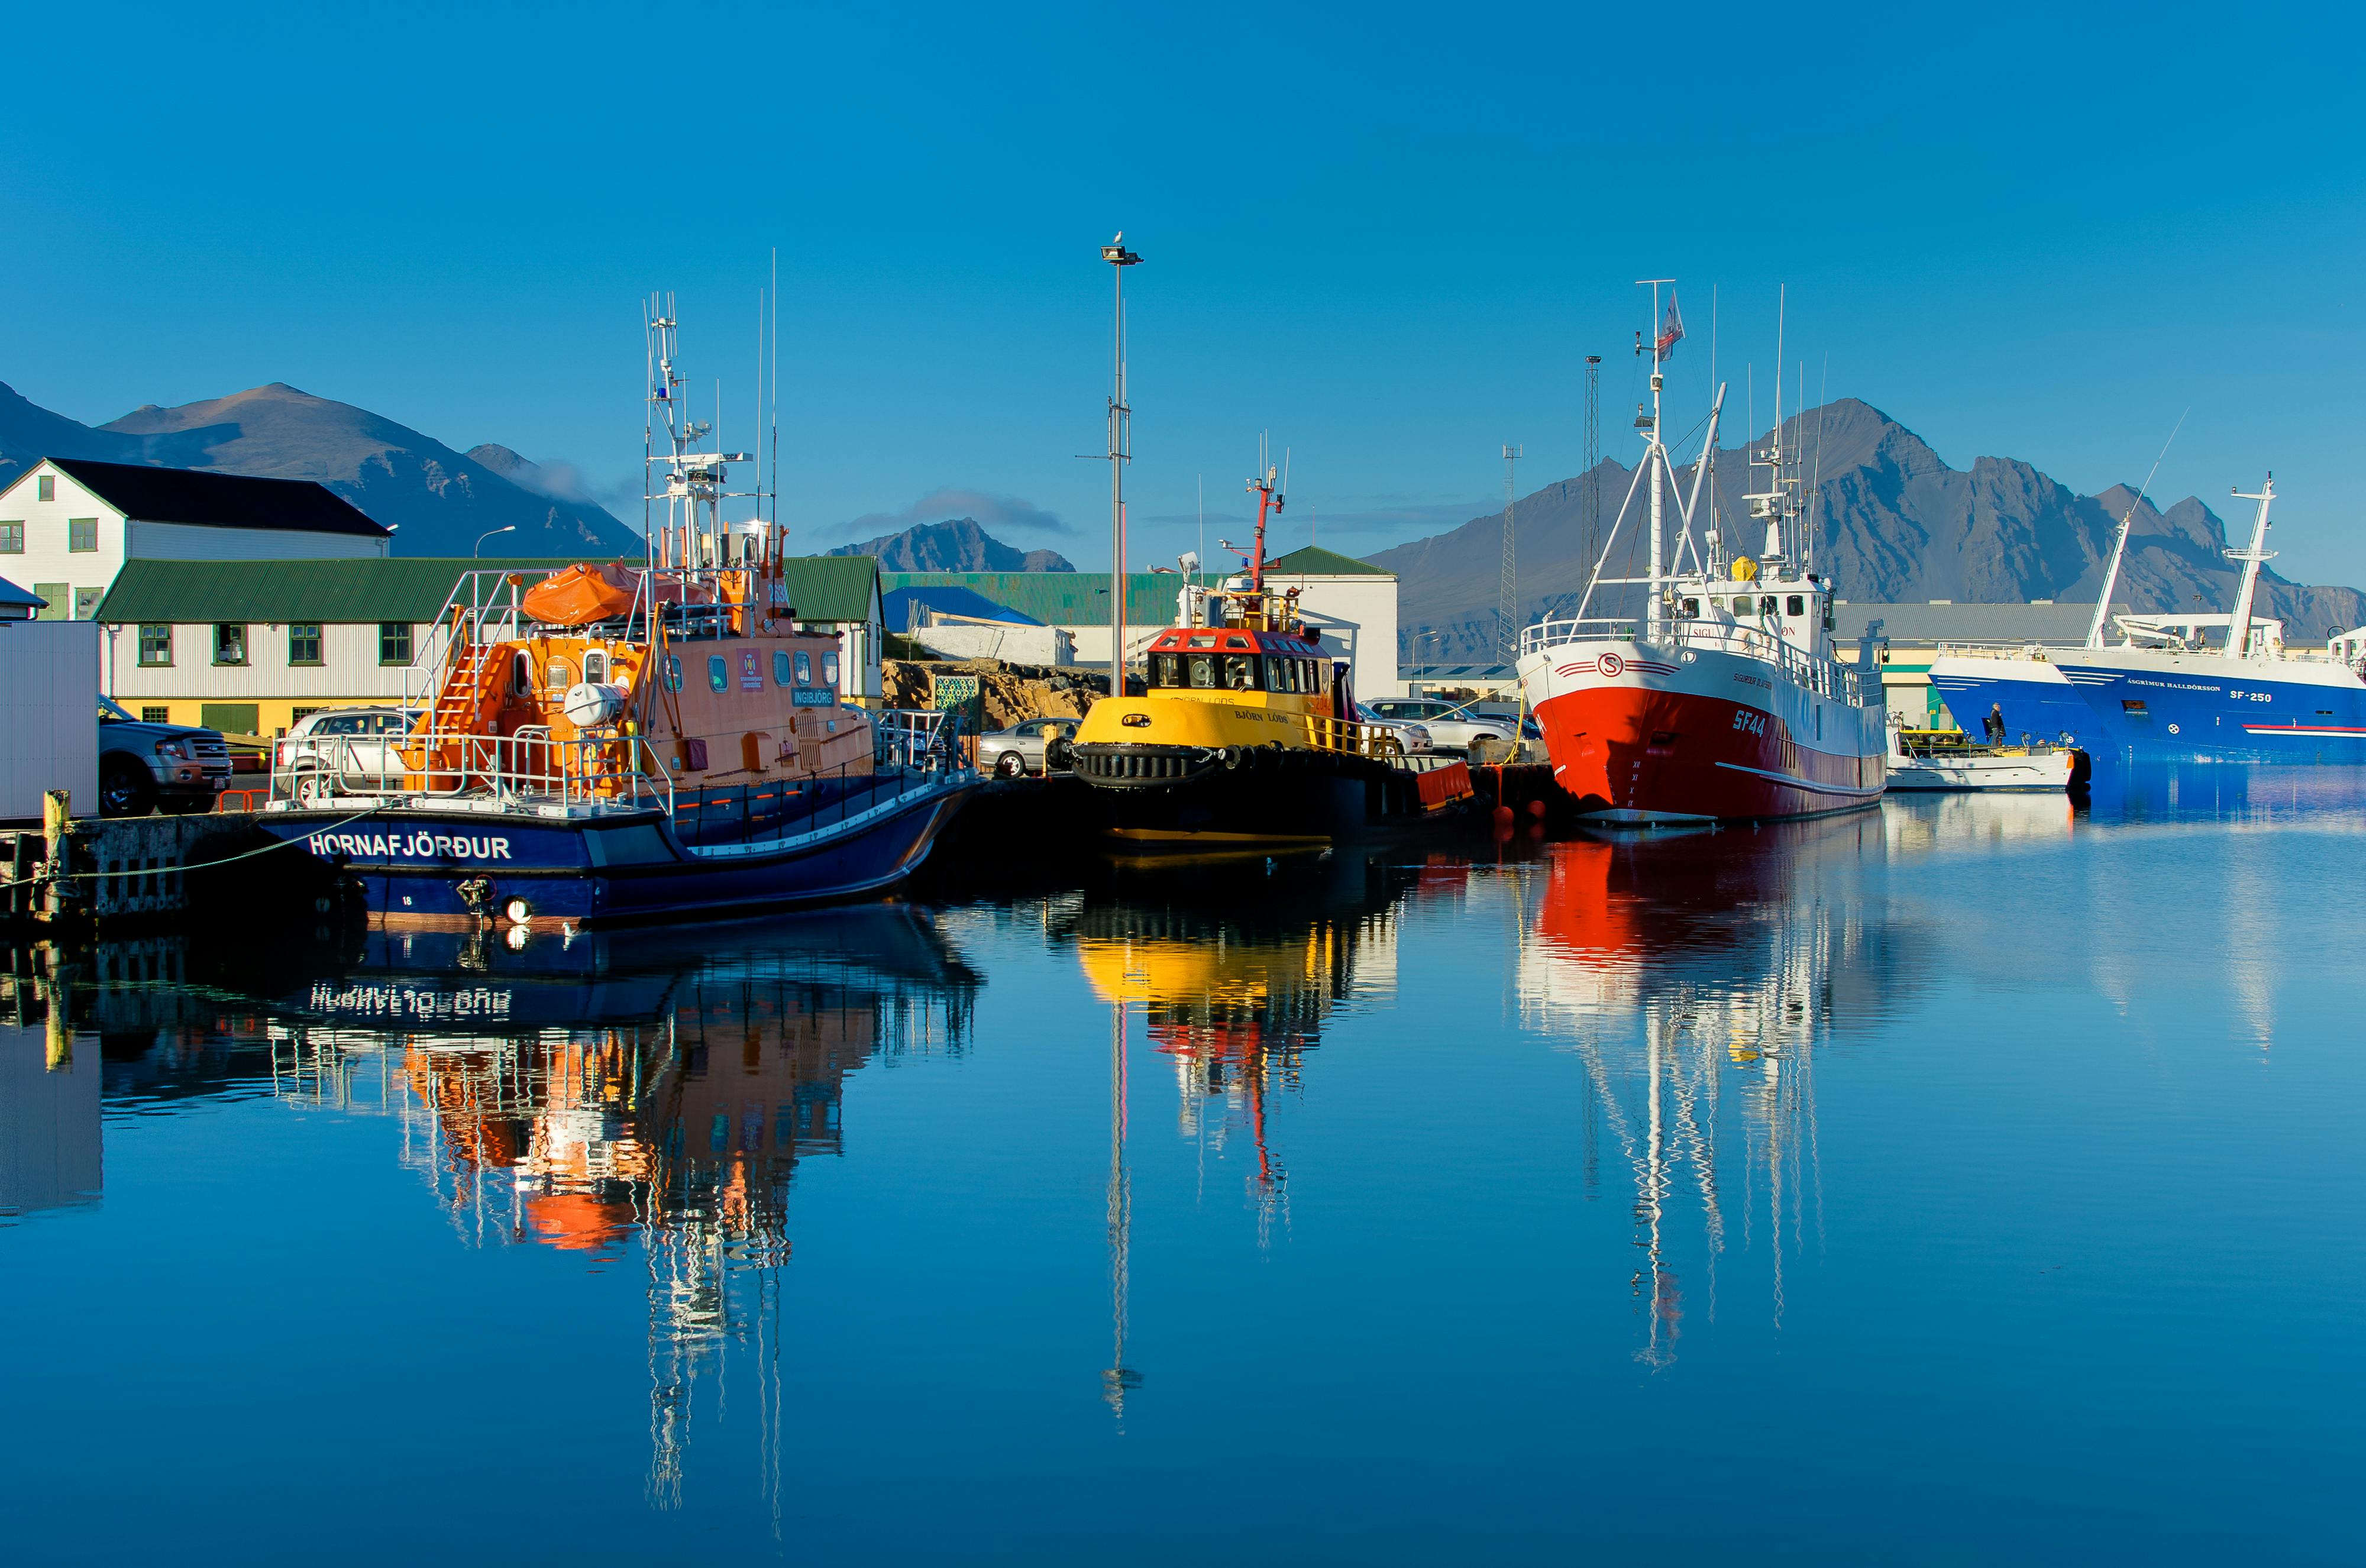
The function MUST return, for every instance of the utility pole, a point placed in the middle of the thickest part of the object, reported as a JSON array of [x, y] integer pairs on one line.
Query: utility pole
[[1119, 435], [1592, 454], [1510, 605]]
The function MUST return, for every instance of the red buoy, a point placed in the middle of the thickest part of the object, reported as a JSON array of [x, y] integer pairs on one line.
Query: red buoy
[[1536, 808], [1502, 817]]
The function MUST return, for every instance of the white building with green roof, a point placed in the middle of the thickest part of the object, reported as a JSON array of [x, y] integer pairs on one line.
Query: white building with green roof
[[249, 647]]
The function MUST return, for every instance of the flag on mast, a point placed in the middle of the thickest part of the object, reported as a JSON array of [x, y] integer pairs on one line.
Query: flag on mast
[[1671, 327]]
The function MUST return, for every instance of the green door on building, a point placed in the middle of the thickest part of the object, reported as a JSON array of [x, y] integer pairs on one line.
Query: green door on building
[[61, 600], [231, 719]]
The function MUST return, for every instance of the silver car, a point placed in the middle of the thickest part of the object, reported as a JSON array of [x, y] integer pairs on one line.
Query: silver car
[[1019, 750], [1451, 726], [340, 749]]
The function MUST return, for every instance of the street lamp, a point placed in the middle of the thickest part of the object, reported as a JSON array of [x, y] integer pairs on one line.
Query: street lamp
[[1121, 419], [488, 534]]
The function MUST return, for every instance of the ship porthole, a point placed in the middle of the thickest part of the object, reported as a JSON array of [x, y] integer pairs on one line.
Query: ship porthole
[[518, 911]]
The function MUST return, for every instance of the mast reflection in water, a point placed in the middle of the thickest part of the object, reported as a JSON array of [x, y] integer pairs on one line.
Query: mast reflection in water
[[1693, 977], [655, 1095]]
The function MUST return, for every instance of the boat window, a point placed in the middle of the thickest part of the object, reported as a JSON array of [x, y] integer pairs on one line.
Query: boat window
[[1796, 605], [829, 669], [672, 674], [1277, 673], [1240, 672], [780, 667], [805, 668], [1203, 671], [718, 672], [1766, 604], [1166, 669], [2131, 705], [560, 675], [521, 674], [595, 666], [1689, 609]]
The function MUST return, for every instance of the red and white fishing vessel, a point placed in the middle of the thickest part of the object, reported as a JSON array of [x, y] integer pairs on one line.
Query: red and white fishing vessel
[[1724, 700]]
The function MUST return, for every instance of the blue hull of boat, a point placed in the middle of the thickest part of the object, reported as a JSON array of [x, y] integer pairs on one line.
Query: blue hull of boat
[[429, 868]]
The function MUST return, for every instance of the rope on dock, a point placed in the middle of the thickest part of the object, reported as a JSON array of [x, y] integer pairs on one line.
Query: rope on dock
[[205, 865]]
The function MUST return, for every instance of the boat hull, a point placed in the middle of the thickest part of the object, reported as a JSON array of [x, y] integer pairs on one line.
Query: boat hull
[[430, 867], [1636, 735], [1280, 797], [2036, 699], [2159, 704], [2037, 772]]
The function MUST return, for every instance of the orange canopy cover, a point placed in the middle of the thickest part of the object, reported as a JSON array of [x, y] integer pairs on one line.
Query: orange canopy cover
[[582, 595]]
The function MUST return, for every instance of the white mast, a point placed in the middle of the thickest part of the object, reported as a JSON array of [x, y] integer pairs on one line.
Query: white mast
[[1120, 453], [2120, 546], [2238, 626], [1655, 460]]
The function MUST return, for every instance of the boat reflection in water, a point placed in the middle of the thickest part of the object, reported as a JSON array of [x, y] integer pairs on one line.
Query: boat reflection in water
[[596, 1099], [1233, 964], [1694, 977]]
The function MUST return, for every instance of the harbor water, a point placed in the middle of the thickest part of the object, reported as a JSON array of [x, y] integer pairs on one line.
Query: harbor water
[[1959, 1180]]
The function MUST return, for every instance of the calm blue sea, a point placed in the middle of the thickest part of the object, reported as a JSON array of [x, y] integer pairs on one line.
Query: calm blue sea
[[1959, 1181]]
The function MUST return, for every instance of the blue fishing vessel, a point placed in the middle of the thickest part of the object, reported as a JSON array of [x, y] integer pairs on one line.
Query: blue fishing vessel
[[2168, 689], [611, 742]]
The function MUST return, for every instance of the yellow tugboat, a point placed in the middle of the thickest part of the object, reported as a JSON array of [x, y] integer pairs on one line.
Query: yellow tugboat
[[1248, 731]]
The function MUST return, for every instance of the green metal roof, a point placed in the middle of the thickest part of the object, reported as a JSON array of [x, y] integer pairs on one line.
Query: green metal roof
[[399, 588], [389, 587], [1316, 562], [831, 588], [1059, 598]]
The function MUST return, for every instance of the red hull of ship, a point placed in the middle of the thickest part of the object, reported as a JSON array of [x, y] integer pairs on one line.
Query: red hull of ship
[[1634, 753]]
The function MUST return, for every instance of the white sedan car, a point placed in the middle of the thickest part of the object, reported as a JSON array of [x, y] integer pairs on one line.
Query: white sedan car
[[1450, 727]]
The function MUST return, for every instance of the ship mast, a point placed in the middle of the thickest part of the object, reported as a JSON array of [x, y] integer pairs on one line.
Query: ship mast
[[694, 483], [1655, 458], [2238, 626], [1262, 487]]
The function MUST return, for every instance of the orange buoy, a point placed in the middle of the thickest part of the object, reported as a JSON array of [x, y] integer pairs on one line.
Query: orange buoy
[[1536, 808], [1502, 817]]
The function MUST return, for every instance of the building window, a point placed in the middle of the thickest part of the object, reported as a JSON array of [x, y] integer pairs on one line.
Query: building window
[[155, 716], [46, 486], [12, 539], [304, 642], [394, 642], [297, 716], [82, 534], [229, 643], [156, 645]]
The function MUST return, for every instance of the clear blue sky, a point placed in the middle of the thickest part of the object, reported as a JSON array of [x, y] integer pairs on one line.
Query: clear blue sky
[[1389, 236]]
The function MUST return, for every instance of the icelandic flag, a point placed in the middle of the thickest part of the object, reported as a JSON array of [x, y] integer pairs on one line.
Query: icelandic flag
[[1671, 327]]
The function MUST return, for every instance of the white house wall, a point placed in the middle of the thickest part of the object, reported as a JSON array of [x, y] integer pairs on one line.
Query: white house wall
[[48, 711], [47, 558], [1357, 619]]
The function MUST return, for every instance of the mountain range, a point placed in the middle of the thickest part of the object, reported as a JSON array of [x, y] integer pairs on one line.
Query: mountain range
[[957, 545], [440, 501], [1893, 523]]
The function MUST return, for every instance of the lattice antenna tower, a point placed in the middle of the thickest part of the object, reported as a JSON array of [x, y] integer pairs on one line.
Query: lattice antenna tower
[[1509, 607]]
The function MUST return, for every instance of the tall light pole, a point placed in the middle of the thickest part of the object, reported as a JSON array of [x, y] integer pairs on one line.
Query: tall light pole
[[1119, 432], [476, 548]]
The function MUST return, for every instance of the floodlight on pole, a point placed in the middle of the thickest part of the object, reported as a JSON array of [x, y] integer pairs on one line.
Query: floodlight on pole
[[1119, 435]]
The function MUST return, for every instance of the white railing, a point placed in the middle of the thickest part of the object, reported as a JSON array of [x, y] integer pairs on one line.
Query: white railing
[[1685, 639], [527, 769]]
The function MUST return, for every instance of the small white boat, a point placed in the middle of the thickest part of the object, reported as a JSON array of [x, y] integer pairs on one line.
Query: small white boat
[[2034, 768]]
